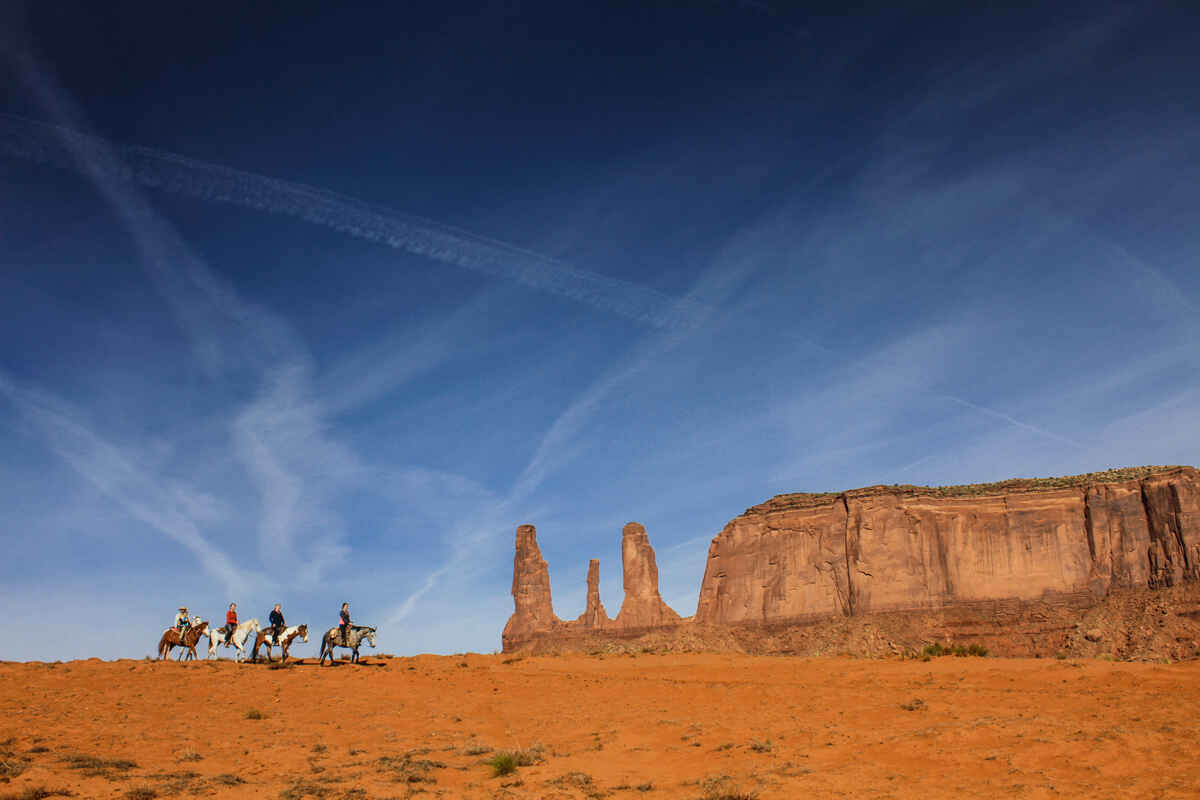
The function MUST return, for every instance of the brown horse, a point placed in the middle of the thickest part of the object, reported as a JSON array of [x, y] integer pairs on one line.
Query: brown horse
[[285, 640], [170, 639]]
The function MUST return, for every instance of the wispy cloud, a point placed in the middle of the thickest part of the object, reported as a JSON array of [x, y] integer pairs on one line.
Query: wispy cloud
[[171, 508], [279, 436], [66, 147]]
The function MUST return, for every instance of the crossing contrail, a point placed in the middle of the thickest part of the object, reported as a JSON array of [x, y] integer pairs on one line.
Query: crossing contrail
[[67, 148]]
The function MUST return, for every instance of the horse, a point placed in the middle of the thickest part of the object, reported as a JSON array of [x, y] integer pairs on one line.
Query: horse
[[354, 637], [285, 640], [240, 634], [171, 638]]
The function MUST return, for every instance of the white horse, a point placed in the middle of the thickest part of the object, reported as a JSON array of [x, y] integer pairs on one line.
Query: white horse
[[240, 634]]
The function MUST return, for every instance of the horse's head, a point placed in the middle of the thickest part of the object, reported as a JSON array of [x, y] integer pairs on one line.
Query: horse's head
[[370, 637], [303, 631]]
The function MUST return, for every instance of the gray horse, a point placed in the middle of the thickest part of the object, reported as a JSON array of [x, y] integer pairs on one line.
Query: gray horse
[[354, 637]]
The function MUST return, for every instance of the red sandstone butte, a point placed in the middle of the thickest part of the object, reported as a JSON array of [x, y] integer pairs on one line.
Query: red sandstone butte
[[643, 606], [1021, 565], [533, 615], [594, 616], [915, 548], [530, 589]]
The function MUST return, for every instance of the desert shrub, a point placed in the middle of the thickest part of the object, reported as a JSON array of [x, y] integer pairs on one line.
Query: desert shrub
[[190, 755], [254, 713], [302, 788], [92, 766], [11, 767], [476, 750], [225, 779], [723, 787], [764, 746], [938, 649], [503, 763], [38, 793], [407, 769], [141, 793], [579, 780], [917, 704]]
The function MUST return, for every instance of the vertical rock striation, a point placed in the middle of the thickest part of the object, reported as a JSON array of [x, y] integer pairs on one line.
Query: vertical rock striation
[[594, 616], [643, 606], [533, 608], [1016, 561], [915, 548]]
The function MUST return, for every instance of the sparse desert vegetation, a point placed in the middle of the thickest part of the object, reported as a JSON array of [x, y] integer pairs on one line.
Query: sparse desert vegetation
[[674, 727]]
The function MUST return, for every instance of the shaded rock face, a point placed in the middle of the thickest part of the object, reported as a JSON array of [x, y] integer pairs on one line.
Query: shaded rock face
[[874, 550], [594, 616], [643, 606]]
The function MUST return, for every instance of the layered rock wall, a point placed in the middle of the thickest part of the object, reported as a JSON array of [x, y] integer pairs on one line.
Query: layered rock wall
[[993, 558], [913, 549]]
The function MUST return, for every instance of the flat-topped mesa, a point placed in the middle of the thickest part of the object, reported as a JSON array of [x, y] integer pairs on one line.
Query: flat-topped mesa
[[533, 608], [905, 548], [594, 616], [1024, 567], [643, 606]]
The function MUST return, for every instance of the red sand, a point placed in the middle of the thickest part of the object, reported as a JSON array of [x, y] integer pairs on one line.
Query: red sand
[[652, 726]]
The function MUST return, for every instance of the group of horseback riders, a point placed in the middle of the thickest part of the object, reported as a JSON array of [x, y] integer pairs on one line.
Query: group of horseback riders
[[183, 622]]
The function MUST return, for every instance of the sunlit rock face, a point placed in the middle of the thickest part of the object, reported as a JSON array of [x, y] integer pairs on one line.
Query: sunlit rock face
[[534, 610], [643, 606], [594, 616], [912, 548], [1019, 550]]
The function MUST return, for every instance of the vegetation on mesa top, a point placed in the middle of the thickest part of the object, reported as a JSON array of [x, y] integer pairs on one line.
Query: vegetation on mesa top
[[808, 499]]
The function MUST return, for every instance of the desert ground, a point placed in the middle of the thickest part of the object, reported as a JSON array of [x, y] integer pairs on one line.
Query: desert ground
[[641, 726]]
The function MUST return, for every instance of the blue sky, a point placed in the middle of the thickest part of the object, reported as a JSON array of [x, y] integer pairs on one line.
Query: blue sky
[[319, 306]]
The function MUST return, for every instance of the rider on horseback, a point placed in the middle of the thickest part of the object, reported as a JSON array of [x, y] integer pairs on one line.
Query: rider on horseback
[[231, 622], [182, 621], [277, 624], [344, 625]]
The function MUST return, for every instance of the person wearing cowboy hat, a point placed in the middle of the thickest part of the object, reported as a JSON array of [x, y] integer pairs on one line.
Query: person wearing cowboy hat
[[182, 621]]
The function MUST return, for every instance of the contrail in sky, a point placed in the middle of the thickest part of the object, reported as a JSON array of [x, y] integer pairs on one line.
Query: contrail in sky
[[65, 148]]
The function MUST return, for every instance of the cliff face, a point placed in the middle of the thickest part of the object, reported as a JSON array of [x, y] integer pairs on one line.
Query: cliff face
[[1016, 563], [891, 549], [533, 610], [643, 606]]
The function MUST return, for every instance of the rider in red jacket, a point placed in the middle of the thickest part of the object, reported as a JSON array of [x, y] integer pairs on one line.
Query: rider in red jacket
[[231, 622]]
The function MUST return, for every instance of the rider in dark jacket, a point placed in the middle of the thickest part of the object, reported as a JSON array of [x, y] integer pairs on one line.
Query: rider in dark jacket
[[344, 625], [277, 624]]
